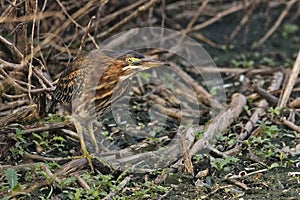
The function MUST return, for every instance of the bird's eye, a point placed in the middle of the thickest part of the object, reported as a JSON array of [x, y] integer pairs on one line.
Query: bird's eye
[[132, 60], [129, 60]]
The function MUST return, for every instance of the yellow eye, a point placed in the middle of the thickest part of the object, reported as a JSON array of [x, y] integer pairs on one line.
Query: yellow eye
[[132, 60], [129, 60]]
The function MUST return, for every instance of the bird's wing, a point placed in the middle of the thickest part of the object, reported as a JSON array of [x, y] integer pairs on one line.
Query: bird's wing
[[69, 82]]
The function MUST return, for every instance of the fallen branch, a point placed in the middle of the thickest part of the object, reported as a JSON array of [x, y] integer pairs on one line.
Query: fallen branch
[[220, 123], [287, 90]]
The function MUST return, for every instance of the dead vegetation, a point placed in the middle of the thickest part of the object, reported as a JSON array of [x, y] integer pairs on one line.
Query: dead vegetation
[[258, 131]]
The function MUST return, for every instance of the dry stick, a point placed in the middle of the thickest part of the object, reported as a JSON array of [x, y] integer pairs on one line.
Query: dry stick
[[237, 183], [242, 23], [21, 112], [202, 94], [43, 158], [188, 28], [189, 96], [259, 111], [265, 94], [17, 84], [286, 122], [192, 22], [176, 113], [77, 14], [276, 81], [233, 9], [10, 65], [14, 50], [157, 99], [46, 127], [295, 103], [133, 15], [43, 8], [113, 15], [86, 30], [41, 77], [185, 145], [82, 182], [13, 81], [276, 24], [196, 16], [205, 39], [220, 123], [231, 70], [19, 167], [31, 50], [8, 11], [286, 92], [13, 104], [17, 96], [39, 16], [291, 125]]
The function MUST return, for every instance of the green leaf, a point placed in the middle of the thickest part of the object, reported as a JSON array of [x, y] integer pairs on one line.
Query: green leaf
[[12, 179], [274, 165], [37, 136], [19, 135], [58, 138]]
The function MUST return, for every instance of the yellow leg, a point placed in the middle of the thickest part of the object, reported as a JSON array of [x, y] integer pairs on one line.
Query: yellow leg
[[92, 135], [81, 140]]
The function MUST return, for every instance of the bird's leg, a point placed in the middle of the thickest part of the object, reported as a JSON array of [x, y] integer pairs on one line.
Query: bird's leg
[[92, 135], [82, 144]]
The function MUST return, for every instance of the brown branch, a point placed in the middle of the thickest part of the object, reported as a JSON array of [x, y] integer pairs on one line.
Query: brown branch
[[276, 24], [13, 49], [202, 94], [219, 123], [220, 15], [265, 94], [242, 23], [86, 31], [66, 23], [286, 92], [45, 127], [127, 19], [119, 12], [38, 16], [17, 115]]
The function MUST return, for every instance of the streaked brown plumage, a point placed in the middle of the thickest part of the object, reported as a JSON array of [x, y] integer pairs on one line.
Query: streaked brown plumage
[[90, 81]]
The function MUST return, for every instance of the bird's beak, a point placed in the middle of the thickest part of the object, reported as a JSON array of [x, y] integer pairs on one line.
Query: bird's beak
[[149, 63]]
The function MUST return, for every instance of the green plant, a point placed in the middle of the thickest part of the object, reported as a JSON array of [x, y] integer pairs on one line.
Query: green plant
[[243, 61], [289, 29], [12, 179], [220, 163]]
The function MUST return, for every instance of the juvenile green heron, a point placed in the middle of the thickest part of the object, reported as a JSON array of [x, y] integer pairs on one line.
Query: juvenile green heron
[[89, 83]]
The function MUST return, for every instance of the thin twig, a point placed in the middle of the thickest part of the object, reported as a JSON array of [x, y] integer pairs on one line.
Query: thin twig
[[133, 15], [31, 49], [290, 85], [87, 29], [276, 24], [230, 10]]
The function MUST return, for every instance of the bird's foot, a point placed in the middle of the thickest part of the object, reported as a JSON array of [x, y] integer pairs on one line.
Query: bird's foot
[[89, 158]]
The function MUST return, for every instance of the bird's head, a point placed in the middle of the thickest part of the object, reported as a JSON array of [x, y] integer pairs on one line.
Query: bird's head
[[132, 62]]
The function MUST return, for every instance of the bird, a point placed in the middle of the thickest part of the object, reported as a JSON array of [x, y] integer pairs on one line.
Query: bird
[[89, 84]]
